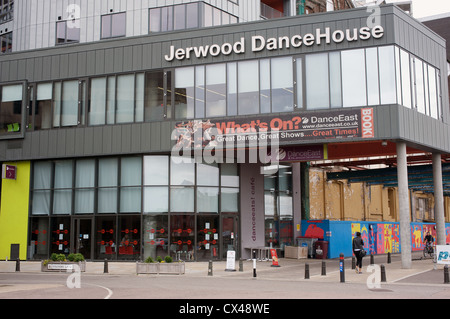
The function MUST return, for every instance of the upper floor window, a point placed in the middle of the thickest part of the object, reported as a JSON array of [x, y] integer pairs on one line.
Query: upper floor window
[[113, 25], [6, 42], [187, 16], [67, 32], [11, 109], [6, 10]]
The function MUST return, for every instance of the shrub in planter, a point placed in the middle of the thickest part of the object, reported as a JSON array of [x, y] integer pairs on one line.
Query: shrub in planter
[[75, 257], [149, 260], [168, 259]]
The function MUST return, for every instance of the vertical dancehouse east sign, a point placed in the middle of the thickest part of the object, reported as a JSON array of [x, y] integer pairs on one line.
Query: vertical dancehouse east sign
[[259, 43]]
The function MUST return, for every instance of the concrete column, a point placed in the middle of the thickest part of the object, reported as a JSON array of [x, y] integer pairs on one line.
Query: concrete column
[[403, 203], [438, 200]]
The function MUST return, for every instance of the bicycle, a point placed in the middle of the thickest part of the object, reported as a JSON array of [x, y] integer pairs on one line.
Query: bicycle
[[428, 250]]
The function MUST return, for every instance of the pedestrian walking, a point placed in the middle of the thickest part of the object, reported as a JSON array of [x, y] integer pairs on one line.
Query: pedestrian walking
[[358, 250]]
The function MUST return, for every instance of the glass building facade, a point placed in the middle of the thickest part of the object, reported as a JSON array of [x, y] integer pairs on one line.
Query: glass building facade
[[339, 79]]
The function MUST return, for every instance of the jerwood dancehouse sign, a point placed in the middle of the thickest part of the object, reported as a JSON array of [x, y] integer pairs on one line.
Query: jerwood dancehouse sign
[[259, 43]]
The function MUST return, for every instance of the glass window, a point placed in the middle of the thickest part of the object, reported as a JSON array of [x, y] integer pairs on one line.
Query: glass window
[[125, 99], [192, 15], [387, 75], [373, 95], [179, 13], [199, 91], [42, 182], [167, 19], [353, 78], [113, 25], [299, 80], [139, 98], [97, 102], [419, 84], [265, 97], [406, 78], [282, 75], [232, 89], [11, 108], [317, 89], [156, 236], [60, 32], [182, 234], [229, 175], [208, 174], [130, 181], [182, 171], [84, 184], [106, 26], [130, 235], [154, 96], [155, 20], [43, 112], [216, 89], [181, 199], [106, 240], [62, 196], [118, 25], [184, 93], [156, 199], [69, 103], [67, 32], [229, 200], [156, 170], [335, 79], [208, 11], [433, 92], [248, 87], [107, 185], [111, 100], [207, 199]]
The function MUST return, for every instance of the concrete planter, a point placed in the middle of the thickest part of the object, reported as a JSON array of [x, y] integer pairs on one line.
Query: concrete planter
[[177, 268], [62, 266]]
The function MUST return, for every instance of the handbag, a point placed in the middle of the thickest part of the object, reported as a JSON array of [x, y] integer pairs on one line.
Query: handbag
[[362, 253]]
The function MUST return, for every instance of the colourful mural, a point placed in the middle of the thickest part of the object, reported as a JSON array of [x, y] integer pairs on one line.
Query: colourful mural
[[378, 237]]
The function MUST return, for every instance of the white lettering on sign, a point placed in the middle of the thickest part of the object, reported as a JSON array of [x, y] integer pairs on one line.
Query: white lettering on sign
[[259, 43]]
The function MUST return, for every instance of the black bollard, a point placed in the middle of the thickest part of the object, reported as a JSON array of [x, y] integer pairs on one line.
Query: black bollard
[[324, 268], [353, 262], [210, 268], [241, 265], [105, 266], [18, 264], [371, 259], [446, 278], [306, 271], [383, 273], [389, 258], [341, 267]]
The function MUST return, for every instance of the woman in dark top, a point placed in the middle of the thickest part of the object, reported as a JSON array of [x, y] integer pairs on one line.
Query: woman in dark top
[[358, 245]]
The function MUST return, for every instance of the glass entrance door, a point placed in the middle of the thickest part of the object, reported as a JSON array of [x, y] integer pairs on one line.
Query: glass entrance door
[[207, 237], [229, 234], [83, 236]]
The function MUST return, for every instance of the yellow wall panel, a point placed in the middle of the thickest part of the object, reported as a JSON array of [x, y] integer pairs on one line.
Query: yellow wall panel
[[14, 211]]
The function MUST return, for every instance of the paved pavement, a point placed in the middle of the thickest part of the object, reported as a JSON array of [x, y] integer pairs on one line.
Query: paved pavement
[[424, 279]]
